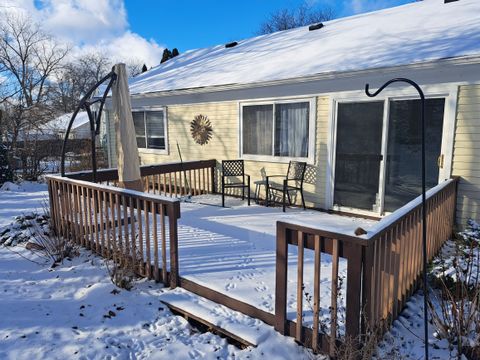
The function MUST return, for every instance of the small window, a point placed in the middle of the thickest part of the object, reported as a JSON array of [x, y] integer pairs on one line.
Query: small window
[[278, 130], [150, 129]]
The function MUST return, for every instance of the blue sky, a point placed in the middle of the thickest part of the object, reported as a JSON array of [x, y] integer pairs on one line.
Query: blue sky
[[201, 23]]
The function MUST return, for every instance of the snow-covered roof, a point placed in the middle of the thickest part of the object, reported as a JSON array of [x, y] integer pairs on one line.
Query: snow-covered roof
[[61, 122], [414, 33]]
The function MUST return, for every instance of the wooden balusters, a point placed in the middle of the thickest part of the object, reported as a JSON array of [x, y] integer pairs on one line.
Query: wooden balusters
[[155, 243], [300, 287], [146, 208], [164, 246], [141, 267], [316, 292], [334, 302]]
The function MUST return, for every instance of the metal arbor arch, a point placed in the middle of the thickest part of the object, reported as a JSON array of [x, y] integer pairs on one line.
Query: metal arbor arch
[[94, 118]]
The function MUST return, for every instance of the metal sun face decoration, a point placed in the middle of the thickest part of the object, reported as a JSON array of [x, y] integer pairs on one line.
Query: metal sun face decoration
[[201, 129]]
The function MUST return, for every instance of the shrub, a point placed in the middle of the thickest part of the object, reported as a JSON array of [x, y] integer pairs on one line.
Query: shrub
[[455, 301]]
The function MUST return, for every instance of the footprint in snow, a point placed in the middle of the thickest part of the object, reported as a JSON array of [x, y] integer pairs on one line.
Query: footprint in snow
[[196, 354], [261, 288], [230, 286]]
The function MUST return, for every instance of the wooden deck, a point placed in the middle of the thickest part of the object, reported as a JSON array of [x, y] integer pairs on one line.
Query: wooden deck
[[307, 263]]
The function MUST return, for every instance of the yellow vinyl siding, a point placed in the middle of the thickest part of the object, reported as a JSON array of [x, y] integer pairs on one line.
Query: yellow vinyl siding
[[466, 155], [224, 144]]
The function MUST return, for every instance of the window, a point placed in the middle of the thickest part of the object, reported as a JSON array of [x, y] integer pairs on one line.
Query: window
[[280, 129], [150, 129]]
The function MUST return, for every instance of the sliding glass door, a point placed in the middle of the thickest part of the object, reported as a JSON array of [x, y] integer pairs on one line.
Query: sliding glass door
[[358, 154], [378, 153], [403, 173]]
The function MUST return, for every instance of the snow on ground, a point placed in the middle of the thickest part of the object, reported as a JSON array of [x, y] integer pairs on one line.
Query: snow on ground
[[72, 311], [18, 199], [232, 250], [405, 338]]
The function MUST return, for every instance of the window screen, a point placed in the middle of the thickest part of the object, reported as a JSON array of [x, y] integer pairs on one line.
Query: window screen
[[279, 129], [149, 129]]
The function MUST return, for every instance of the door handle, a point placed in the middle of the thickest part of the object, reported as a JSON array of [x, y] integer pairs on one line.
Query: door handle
[[440, 161]]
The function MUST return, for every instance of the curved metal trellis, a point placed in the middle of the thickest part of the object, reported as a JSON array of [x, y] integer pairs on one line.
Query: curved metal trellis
[[94, 118]]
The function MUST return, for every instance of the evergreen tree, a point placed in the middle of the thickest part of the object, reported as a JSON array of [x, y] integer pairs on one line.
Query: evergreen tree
[[167, 54], [144, 68]]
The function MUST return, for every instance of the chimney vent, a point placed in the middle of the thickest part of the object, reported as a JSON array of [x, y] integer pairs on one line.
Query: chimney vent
[[315, 26], [230, 45]]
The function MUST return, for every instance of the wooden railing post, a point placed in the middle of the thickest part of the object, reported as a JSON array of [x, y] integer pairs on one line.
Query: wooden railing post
[[367, 317], [173, 215], [52, 205], [354, 287], [281, 280], [212, 178]]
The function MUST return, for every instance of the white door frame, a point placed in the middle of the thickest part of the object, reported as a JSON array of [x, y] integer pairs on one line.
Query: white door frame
[[447, 91]]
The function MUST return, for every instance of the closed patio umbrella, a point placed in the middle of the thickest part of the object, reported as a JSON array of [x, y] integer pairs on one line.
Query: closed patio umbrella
[[127, 150]]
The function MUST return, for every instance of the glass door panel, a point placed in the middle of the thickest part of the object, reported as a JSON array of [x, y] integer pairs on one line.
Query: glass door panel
[[358, 154], [403, 173]]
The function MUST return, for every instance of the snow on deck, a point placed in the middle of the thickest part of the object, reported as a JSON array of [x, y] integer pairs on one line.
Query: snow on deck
[[232, 250], [409, 34]]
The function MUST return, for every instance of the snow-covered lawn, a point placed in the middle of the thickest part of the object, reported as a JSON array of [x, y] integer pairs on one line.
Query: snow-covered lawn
[[16, 200], [72, 311]]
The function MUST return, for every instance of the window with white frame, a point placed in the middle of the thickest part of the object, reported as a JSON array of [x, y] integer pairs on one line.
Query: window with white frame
[[150, 129], [276, 129]]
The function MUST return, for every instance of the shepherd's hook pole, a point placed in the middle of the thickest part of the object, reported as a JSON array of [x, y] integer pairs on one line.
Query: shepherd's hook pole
[[424, 207]]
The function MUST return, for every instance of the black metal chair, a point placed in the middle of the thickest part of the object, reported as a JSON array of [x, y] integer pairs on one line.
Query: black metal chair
[[235, 169], [293, 181]]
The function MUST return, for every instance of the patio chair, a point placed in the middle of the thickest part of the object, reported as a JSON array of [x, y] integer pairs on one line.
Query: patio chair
[[293, 181], [235, 169]]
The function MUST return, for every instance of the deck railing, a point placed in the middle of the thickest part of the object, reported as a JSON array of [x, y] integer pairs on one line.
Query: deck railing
[[169, 179], [384, 267], [129, 227]]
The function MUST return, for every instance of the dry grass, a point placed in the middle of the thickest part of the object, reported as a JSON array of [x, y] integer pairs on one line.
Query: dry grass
[[121, 269], [455, 303], [49, 244]]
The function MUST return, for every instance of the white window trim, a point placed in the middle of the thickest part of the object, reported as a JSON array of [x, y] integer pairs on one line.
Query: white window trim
[[281, 159], [165, 126], [447, 91]]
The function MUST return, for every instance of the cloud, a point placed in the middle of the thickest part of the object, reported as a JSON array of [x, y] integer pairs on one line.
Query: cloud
[[90, 25], [84, 21], [129, 47]]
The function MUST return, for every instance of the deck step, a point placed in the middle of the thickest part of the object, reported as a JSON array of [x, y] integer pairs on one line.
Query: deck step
[[221, 319]]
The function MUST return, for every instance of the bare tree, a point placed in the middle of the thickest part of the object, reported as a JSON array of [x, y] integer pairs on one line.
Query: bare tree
[[77, 77], [290, 18], [29, 59], [81, 74]]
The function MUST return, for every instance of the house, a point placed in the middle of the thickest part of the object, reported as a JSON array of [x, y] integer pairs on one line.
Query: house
[[80, 127], [299, 95]]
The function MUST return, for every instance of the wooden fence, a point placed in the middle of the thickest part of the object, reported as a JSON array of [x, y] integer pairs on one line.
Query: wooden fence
[[384, 267]]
